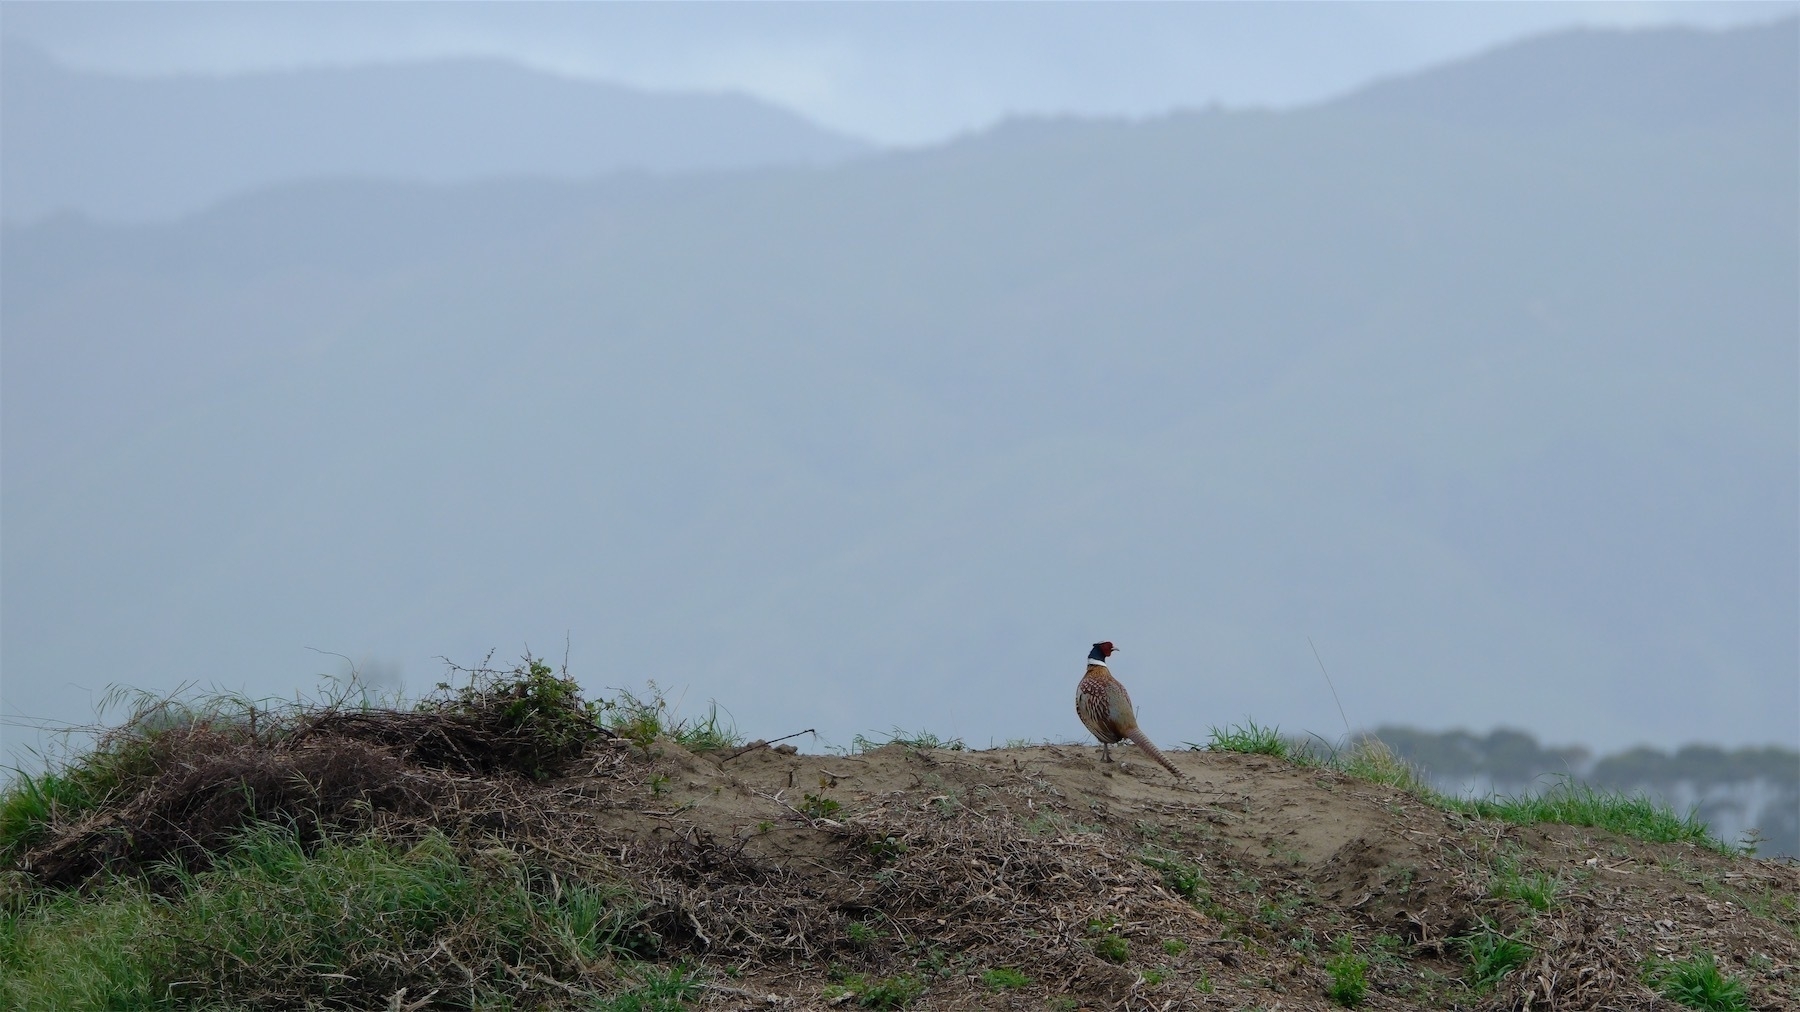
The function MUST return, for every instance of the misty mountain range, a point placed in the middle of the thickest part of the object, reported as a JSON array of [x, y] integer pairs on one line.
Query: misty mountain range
[[154, 148], [1484, 379]]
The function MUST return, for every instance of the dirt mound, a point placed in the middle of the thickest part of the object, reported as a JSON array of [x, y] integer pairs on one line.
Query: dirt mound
[[1013, 878]]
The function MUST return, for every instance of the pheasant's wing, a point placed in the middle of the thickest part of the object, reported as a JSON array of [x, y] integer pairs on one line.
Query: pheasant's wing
[[1093, 706], [1118, 707]]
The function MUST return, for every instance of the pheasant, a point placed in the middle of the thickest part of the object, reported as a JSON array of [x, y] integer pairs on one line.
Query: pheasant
[[1103, 705]]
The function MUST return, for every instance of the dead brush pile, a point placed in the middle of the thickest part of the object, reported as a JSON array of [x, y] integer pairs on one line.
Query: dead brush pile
[[177, 783]]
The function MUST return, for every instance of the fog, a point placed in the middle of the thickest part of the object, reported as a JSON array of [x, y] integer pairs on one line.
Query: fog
[[1469, 354]]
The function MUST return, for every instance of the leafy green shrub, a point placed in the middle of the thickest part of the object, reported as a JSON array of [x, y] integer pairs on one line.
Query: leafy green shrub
[[1698, 984], [1349, 979], [539, 718]]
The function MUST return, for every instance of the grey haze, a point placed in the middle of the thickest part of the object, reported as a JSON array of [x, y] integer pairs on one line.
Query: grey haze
[[1485, 380]]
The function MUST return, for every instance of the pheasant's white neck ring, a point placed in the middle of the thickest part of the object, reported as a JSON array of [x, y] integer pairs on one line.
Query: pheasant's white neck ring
[[1093, 663]]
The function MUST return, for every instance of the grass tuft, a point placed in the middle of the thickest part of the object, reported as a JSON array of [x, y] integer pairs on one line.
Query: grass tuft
[[656, 991], [921, 740], [1534, 889], [1492, 956], [1698, 984], [1249, 738], [643, 719], [1005, 978], [882, 992]]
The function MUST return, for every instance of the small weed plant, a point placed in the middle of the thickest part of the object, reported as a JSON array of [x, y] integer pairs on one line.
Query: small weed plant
[[1181, 876], [1108, 943], [862, 934], [815, 807], [1349, 979], [922, 741]]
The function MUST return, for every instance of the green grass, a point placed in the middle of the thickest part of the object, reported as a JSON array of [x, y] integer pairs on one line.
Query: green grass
[[1566, 803], [882, 992], [1181, 876], [1249, 738], [643, 719], [30, 805], [1698, 984], [259, 927], [1492, 956], [1005, 978], [1366, 759], [1371, 760], [656, 991], [862, 934], [1575, 804], [1534, 889]]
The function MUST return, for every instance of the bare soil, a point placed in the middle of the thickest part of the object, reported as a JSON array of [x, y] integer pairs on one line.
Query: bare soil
[[963, 861]]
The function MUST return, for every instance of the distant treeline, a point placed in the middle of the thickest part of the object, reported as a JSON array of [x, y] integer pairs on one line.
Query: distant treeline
[[1734, 790]]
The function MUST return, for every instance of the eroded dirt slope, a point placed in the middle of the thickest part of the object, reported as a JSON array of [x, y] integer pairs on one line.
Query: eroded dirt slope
[[1232, 888]]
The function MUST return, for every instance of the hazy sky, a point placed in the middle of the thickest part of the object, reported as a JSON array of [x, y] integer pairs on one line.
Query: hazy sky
[[895, 73], [1525, 460]]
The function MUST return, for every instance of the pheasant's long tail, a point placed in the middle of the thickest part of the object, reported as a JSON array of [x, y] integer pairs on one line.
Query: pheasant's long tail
[[1142, 740]]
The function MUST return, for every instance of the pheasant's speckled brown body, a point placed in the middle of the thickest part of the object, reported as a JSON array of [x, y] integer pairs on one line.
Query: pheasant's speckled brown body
[[1103, 705]]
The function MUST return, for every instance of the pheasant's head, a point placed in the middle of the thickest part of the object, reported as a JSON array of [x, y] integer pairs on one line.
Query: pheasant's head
[[1101, 651]]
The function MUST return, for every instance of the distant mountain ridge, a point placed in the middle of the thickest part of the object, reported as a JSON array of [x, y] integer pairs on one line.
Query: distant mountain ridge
[[1658, 78], [152, 148]]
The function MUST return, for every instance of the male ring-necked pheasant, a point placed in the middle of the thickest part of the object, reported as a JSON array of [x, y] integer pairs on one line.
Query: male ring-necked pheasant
[[1101, 703]]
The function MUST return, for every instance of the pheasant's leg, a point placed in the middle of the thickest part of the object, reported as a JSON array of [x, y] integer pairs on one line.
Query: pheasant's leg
[[1105, 752]]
